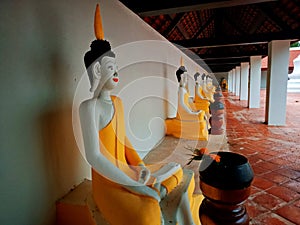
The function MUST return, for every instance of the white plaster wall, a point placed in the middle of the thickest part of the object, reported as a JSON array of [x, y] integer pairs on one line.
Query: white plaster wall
[[42, 48]]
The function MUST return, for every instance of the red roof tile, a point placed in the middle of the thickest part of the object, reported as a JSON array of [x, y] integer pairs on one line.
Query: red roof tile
[[293, 55]]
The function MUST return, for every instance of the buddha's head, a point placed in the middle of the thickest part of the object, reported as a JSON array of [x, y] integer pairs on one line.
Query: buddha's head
[[180, 74], [196, 75], [101, 66], [100, 61]]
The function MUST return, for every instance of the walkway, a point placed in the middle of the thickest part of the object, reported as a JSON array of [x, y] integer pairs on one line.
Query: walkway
[[274, 153]]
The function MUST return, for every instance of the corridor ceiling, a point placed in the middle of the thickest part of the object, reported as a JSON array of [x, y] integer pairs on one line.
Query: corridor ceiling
[[222, 33]]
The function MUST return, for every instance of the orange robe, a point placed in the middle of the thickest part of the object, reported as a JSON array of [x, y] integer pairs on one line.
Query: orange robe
[[199, 103], [117, 204], [186, 125]]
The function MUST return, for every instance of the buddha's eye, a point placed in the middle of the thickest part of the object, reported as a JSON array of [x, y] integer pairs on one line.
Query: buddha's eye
[[110, 67]]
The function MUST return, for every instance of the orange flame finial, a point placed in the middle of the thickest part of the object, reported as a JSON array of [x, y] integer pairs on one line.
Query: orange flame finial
[[99, 33], [181, 61]]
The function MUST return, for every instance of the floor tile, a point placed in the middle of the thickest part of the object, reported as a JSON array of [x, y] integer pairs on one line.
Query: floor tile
[[289, 173], [293, 185], [268, 201], [275, 177], [262, 183], [284, 193], [290, 212], [271, 219]]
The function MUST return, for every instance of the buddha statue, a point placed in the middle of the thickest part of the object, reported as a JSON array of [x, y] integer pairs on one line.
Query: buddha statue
[[125, 190], [204, 94], [208, 88], [188, 123]]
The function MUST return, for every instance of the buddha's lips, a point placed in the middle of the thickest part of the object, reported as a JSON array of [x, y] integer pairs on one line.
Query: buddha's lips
[[115, 79]]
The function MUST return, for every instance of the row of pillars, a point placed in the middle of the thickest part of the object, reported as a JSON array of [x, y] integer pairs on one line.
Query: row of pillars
[[244, 81]]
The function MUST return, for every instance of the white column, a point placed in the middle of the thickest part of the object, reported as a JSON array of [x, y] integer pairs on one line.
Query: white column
[[255, 79], [244, 81], [233, 81], [277, 76], [229, 80], [237, 80]]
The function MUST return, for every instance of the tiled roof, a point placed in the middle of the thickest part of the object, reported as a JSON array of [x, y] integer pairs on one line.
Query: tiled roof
[[222, 33]]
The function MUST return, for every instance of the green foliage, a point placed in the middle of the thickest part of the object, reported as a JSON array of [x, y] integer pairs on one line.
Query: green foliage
[[295, 44]]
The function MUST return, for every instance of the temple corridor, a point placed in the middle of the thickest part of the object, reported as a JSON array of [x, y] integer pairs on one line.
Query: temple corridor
[[274, 153]]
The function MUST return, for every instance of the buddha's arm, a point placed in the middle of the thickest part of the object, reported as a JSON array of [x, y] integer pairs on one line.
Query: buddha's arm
[[210, 93], [198, 87], [204, 87], [134, 159], [184, 105], [131, 155], [98, 161]]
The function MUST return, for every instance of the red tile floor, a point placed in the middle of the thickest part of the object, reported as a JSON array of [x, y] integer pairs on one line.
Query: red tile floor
[[274, 153]]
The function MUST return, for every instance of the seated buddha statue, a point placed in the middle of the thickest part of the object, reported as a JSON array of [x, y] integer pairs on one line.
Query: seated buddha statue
[[208, 88], [203, 94], [188, 123], [125, 190]]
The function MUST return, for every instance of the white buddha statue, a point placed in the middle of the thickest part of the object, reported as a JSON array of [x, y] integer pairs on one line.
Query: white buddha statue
[[188, 123], [126, 191]]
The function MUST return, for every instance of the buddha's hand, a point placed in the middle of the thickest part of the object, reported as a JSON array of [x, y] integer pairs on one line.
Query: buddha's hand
[[144, 174], [196, 112]]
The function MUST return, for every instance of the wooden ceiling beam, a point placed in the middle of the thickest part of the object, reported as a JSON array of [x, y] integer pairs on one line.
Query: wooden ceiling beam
[[195, 7], [237, 40], [224, 55]]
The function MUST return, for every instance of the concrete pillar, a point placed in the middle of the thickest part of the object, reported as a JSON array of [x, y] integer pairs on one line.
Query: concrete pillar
[[229, 80], [277, 76], [254, 83], [233, 81], [244, 81], [237, 80]]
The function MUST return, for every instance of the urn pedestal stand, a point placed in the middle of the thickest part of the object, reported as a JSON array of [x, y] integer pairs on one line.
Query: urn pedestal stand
[[217, 113], [217, 118], [226, 186], [223, 211]]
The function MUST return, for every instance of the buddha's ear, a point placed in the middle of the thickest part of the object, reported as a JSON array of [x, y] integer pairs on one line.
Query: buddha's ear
[[97, 70]]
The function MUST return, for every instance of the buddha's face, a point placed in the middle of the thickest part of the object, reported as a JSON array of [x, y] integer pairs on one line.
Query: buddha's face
[[109, 75]]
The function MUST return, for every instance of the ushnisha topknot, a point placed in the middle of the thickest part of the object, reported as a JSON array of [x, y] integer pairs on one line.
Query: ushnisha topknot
[[180, 71], [99, 49], [196, 75]]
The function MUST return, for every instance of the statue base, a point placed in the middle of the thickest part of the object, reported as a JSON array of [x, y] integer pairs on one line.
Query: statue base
[[78, 207]]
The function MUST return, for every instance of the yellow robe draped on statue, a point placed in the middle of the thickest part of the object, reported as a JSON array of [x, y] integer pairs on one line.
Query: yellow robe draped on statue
[[186, 125], [117, 204], [199, 103]]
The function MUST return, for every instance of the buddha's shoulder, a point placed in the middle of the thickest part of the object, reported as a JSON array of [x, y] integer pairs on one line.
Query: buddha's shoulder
[[88, 102], [87, 106]]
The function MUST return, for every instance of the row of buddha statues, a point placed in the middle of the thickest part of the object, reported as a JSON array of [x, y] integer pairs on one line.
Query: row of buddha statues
[[192, 120], [124, 188]]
